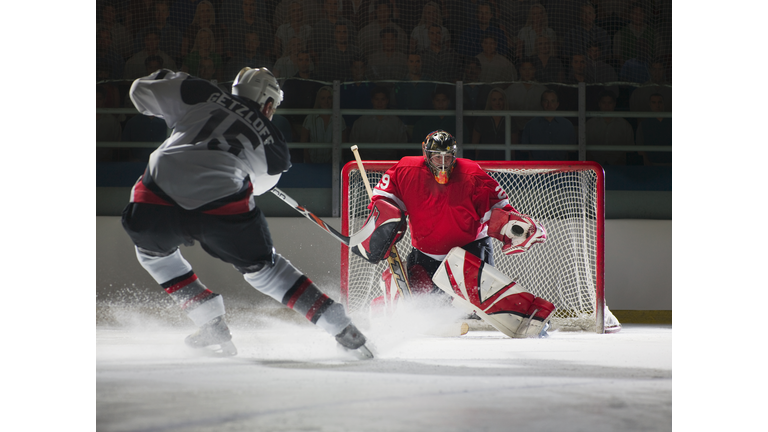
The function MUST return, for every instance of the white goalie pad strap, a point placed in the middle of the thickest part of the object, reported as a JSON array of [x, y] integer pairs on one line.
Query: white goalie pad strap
[[207, 311], [479, 287], [163, 269]]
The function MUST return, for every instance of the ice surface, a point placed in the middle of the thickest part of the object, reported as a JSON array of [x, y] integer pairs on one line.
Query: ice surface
[[291, 376]]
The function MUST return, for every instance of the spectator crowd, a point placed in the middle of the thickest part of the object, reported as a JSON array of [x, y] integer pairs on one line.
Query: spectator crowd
[[408, 55]]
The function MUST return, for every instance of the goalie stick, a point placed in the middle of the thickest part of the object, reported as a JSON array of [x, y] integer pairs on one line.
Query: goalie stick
[[393, 258], [351, 241]]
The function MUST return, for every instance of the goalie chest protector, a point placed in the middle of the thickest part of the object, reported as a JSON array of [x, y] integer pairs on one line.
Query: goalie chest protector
[[442, 217]]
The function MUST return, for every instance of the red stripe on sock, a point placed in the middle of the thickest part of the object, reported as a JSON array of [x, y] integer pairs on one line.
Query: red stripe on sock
[[196, 298], [298, 293], [318, 303], [173, 288]]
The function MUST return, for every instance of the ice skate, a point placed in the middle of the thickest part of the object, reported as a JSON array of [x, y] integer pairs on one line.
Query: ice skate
[[351, 339], [214, 332], [543, 333]]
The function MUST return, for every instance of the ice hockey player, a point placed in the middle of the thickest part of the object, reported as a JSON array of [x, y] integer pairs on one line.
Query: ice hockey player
[[199, 185], [454, 208]]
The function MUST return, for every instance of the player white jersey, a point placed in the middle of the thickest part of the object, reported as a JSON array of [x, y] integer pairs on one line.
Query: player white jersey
[[219, 140]]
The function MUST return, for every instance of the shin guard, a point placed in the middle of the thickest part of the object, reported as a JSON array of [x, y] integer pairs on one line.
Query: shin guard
[[480, 288], [286, 284], [175, 276]]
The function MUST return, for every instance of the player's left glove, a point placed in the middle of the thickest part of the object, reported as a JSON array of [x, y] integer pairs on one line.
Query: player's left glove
[[517, 232]]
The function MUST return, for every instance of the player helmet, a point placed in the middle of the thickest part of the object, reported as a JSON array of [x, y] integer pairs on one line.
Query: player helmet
[[257, 85], [440, 154]]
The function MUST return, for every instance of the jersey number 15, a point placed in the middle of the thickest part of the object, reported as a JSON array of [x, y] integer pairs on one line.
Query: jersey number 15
[[231, 135]]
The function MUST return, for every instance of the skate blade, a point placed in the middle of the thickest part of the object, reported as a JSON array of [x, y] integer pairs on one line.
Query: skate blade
[[364, 353], [226, 349], [360, 353]]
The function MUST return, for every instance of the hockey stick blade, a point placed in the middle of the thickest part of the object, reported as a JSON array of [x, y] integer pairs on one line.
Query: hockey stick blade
[[352, 241]]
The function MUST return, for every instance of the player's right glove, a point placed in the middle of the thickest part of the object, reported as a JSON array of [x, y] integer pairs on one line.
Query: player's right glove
[[517, 232]]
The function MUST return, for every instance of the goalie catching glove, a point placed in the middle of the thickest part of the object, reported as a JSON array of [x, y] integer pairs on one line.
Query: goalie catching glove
[[387, 225], [517, 232]]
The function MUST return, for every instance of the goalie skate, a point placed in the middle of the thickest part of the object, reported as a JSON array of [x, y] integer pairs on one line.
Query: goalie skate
[[494, 297], [214, 337]]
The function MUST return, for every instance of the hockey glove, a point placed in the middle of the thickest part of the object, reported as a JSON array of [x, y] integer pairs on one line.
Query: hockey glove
[[388, 223], [517, 232]]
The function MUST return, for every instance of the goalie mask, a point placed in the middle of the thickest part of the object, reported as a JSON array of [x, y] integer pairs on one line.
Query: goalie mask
[[440, 154], [258, 85]]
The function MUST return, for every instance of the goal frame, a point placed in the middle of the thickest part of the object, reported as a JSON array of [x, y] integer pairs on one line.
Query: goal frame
[[564, 166]]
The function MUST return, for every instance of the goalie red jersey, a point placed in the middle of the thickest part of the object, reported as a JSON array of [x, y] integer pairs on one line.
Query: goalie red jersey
[[442, 216]]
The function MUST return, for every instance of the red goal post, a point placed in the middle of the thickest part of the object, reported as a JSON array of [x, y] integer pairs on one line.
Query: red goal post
[[567, 198]]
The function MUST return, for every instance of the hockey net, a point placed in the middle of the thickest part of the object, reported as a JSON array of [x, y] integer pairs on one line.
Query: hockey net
[[565, 197]]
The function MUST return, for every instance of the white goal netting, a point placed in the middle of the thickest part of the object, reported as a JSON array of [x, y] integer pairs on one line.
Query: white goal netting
[[566, 270]]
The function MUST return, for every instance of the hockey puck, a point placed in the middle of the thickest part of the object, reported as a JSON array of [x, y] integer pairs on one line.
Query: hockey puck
[[517, 230]]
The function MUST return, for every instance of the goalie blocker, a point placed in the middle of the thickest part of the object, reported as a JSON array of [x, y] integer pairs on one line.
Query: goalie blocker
[[387, 223], [478, 287]]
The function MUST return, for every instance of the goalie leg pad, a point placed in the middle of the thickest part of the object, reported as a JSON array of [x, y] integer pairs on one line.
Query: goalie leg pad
[[541, 309], [497, 299], [386, 303], [387, 223]]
